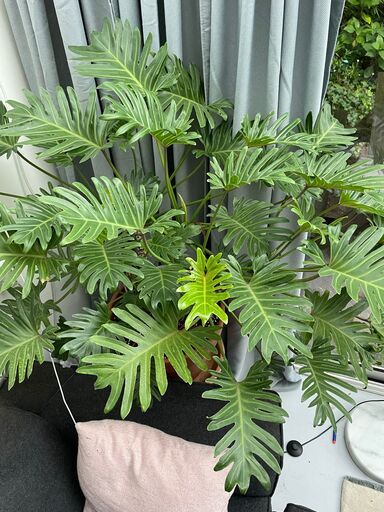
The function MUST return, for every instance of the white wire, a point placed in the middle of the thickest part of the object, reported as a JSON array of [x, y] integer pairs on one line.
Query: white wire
[[61, 389]]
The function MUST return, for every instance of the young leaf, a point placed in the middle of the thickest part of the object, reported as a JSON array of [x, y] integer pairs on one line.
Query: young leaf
[[105, 264], [269, 313], [116, 53], [154, 338], [335, 322], [173, 243], [159, 283], [64, 132], [356, 264], [82, 327], [22, 340], [329, 133], [246, 446], [219, 143], [252, 224], [322, 383], [204, 286], [308, 221], [115, 207], [7, 144]]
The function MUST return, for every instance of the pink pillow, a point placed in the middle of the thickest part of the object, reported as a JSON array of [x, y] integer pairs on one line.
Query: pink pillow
[[127, 467]]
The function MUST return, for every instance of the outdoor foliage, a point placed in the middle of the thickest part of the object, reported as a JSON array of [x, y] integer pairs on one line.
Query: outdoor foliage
[[162, 285]]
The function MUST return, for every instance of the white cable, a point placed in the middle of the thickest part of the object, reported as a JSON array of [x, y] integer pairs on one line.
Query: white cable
[[61, 389]]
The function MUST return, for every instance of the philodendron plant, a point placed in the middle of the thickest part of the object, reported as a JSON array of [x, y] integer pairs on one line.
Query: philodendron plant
[[160, 283]]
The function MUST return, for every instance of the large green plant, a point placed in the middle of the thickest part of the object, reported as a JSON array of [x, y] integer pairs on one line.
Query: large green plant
[[162, 282]]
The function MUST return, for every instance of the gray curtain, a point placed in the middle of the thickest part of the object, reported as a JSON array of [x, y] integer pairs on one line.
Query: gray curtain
[[264, 55]]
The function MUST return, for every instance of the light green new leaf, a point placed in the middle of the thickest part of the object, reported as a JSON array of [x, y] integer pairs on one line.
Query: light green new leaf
[[269, 313], [247, 447], [116, 53], [91, 322], [105, 264], [252, 224], [7, 144], [34, 221], [115, 207], [152, 339], [21, 266], [204, 286], [335, 322], [188, 94], [249, 166], [139, 116], [159, 283], [323, 383], [22, 339], [356, 263], [64, 131], [308, 221]]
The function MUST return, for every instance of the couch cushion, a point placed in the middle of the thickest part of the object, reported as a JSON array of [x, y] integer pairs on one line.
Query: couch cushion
[[182, 412], [36, 471]]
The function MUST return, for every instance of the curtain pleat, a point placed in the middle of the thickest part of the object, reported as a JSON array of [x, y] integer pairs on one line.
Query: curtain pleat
[[264, 55]]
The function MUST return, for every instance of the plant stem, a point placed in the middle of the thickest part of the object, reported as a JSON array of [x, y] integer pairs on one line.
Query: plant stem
[[291, 199], [183, 158], [111, 165], [6, 194], [153, 254], [164, 162], [134, 159], [213, 220], [64, 296], [40, 169]]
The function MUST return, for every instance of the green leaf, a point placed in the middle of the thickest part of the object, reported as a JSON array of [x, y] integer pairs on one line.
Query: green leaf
[[333, 172], [329, 133], [64, 132], [323, 383], [249, 166], [34, 222], [269, 313], [159, 283], [22, 340], [335, 322], [82, 327], [252, 224], [173, 243], [263, 132], [369, 202], [219, 143], [204, 286], [308, 221], [356, 264], [188, 94], [246, 445], [7, 144], [115, 207], [152, 339], [16, 264], [105, 264], [116, 53], [139, 116]]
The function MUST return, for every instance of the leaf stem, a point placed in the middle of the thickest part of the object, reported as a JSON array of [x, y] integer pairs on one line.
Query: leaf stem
[[153, 254], [40, 169], [64, 296], [213, 220], [112, 166], [168, 183], [184, 156], [134, 159], [6, 194], [194, 171]]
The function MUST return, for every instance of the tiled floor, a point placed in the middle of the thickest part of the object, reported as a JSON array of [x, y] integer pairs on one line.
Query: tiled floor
[[314, 479]]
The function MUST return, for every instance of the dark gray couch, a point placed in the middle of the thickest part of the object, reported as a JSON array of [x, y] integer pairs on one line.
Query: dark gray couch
[[38, 442]]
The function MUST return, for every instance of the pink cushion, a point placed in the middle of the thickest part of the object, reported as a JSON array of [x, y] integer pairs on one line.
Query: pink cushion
[[127, 467]]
